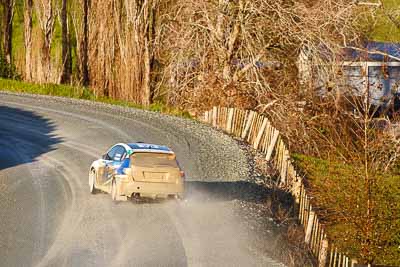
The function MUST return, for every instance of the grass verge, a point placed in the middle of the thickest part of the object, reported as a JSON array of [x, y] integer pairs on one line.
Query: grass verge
[[385, 30], [361, 217], [82, 93]]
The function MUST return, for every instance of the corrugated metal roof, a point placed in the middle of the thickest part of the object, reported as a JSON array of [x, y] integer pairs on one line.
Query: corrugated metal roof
[[392, 49]]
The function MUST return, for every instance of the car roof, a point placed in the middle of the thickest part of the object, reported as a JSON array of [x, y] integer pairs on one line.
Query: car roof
[[144, 147], [148, 146]]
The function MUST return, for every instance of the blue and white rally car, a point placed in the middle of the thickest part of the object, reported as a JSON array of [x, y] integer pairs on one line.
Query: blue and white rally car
[[137, 170]]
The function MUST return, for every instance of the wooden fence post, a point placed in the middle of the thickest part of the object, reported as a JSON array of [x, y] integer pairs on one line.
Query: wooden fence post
[[296, 188], [219, 117], [253, 126], [335, 256], [285, 164], [248, 124], [272, 145], [310, 225], [307, 209], [313, 243], [323, 255], [266, 139], [260, 133], [230, 119], [224, 118], [301, 208], [235, 122], [214, 116]]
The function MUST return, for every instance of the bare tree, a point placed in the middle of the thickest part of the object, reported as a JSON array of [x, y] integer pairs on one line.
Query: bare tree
[[102, 48], [8, 9], [66, 45], [139, 43], [46, 15], [123, 40], [80, 14], [84, 45], [244, 53], [28, 38]]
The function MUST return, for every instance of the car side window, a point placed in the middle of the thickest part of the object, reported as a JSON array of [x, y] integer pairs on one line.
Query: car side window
[[111, 153], [124, 155], [119, 154]]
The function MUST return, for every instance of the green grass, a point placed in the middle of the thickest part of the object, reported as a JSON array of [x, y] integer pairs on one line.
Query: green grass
[[385, 30], [82, 93], [339, 189], [317, 168]]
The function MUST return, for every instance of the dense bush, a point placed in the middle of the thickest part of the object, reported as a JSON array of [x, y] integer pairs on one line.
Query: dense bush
[[7, 70]]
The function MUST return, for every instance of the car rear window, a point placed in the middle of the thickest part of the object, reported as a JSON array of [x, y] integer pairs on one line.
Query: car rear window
[[154, 159]]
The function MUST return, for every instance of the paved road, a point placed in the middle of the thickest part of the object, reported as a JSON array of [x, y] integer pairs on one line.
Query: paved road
[[48, 217]]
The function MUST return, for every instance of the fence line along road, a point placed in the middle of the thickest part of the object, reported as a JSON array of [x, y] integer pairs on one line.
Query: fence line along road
[[257, 130]]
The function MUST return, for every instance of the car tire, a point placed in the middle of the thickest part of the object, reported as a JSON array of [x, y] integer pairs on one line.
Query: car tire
[[114, 190], [92, 179]]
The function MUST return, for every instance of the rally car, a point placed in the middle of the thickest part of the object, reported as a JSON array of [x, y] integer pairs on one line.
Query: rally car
[[137, 170]]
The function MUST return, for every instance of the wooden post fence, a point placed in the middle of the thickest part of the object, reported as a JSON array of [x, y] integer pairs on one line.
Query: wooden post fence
[[257, 130]]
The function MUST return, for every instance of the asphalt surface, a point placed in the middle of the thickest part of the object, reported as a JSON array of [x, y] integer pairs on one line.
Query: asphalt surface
[[48, 217]]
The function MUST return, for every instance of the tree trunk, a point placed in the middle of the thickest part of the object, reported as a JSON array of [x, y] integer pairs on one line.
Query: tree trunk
[[148, 55], [46, 58], [8, 22], [45, 11], [28, 39], [66, 46], [84, 46]]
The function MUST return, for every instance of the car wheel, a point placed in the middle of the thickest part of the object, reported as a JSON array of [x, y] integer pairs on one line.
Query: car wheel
[[114, 190], [92, 180]]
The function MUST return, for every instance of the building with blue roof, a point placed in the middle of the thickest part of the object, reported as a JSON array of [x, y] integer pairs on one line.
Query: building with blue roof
[[375, 52], [375, 66]]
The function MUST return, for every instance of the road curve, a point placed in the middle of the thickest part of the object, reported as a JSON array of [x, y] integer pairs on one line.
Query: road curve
[[48, 217]]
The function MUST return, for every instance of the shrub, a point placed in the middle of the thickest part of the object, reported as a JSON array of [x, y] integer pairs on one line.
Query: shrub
[[7, 70]]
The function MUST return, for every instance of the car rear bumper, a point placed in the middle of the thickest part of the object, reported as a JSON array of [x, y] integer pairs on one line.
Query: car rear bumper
[[149, 189]]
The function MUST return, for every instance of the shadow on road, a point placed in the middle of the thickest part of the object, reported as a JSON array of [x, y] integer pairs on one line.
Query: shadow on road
[[24, 135]]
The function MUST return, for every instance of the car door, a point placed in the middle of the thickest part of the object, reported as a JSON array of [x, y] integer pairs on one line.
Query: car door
[[116, 161], [107, 165], [119, 156]]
